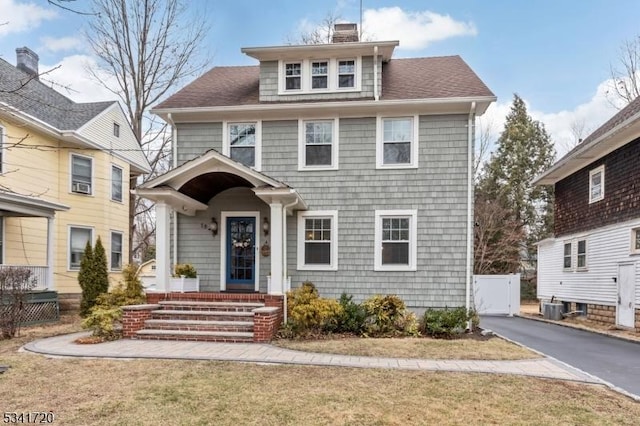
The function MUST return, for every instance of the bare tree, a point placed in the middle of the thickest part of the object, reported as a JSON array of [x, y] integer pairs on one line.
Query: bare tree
[[320, 34], [482, 149], [147, 47], [625, 73]]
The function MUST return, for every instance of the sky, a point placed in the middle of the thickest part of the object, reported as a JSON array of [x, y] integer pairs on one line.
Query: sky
[[556, 54]]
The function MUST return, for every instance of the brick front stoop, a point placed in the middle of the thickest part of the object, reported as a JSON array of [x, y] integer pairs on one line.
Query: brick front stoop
[[204, 317]]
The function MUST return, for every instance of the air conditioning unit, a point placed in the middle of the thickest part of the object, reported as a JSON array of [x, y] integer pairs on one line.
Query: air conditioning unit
[[82, 188]]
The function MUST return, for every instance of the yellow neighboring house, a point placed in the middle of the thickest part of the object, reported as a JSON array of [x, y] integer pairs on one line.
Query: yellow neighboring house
[[64, 178]]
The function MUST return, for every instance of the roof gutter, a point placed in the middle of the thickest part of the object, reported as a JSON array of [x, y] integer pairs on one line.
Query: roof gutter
[[470, 221], [565, 160], [332, 105]]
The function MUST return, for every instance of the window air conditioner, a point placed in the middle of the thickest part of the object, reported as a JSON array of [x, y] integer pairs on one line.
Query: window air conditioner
[[82, 188]]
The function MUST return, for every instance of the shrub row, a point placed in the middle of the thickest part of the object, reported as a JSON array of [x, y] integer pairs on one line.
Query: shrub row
[[309, 315]]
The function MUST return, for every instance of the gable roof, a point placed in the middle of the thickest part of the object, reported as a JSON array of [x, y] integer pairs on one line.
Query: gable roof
[[619, 130], [29, 95], [416, 78]]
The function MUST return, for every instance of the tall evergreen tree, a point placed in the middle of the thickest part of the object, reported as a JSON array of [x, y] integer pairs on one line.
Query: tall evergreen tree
[[101, 272], [85, 279], [524, 150]]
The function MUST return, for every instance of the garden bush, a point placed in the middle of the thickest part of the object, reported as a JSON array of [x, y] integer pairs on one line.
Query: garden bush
[[308, 313], [388, 316], [353, 316], [15, 284], [104, 318], [446, 322]]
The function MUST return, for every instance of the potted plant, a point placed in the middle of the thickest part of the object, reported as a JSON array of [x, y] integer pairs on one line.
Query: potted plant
[[185, 278]]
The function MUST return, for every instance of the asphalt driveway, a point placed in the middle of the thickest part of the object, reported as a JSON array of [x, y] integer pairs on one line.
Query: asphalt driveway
[[613, 360]]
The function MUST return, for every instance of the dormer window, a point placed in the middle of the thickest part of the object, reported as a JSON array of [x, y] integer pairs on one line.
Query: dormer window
[[319, 75], [346, 74], [293, 76]]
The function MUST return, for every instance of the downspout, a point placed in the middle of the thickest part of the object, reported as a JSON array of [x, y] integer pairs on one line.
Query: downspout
[[376, 95], [284, 253], [470, 222], [174, 160]]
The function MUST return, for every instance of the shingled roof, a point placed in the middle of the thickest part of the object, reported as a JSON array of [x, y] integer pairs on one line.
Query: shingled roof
[[416, 78], [30, 96]]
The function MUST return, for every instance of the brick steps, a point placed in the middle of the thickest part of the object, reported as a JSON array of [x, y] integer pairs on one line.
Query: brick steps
[[210, 306], [191, 335], [200, 315], [199, 325]]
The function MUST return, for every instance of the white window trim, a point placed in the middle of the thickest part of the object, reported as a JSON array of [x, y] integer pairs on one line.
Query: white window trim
[[332, 83], [570, 268], [226, 147], [3, 151], [415, 143], [318, 214], [75, 154], [115, 166], [116, 126], [111, 232], [632, 246], [92, 240], [329, 80], [586, 255], [597, 170], [302, 152], [413, 240]]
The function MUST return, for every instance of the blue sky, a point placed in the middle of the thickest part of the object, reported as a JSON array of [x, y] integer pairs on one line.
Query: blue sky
[[555, 54]]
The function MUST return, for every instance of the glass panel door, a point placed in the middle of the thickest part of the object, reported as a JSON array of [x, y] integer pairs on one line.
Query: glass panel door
[[241, 265]]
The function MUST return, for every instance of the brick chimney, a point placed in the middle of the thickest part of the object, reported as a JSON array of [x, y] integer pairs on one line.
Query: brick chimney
[[27, 61], [344, 33]]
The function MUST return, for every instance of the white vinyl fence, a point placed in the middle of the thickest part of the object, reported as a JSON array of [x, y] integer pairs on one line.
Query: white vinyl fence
[[497, 294]]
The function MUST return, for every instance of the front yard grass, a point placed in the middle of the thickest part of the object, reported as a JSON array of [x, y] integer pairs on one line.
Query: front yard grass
[[149, 392], [425, 348]]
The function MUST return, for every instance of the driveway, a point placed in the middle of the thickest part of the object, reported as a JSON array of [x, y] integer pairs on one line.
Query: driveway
[[613, 360]]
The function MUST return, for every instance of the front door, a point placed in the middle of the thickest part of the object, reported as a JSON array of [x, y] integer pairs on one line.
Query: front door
[[626, 294], [241, 258]]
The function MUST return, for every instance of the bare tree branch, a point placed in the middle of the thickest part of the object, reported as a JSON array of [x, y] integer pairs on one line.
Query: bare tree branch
[[626, 74], [146, 48]]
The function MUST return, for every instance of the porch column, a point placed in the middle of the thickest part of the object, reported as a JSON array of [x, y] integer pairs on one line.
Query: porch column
[[50, 253], [276, 249], [163, 265]]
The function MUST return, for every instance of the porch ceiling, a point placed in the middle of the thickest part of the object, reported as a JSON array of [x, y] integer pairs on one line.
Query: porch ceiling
[[206, 186]]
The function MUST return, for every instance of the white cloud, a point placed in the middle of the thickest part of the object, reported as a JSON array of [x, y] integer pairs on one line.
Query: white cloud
[[73, 80], [565, 126], [414, 30], [16, 16], [53, 44]]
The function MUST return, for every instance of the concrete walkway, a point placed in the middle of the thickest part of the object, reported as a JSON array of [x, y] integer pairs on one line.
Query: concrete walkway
[[63, 346]]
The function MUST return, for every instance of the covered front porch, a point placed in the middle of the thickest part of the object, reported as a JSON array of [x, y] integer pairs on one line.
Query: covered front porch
[[227, 220]]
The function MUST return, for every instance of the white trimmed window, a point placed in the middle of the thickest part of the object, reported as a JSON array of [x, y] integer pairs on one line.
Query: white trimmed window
[[581, 256], [596, 184], [242, 143], [346, 74], [293, 76], [397, 142], [116, 130], [116, 183], [81, 174], [395, 240], [635, 241], [567, 257], [78, 239], [318, 240], [116, 251], [318, 144], [319, 75]]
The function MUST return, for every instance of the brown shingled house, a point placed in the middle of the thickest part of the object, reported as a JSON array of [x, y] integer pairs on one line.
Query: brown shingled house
[[330, 163]]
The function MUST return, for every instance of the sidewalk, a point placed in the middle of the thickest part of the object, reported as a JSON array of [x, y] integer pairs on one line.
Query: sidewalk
[[63, 346]]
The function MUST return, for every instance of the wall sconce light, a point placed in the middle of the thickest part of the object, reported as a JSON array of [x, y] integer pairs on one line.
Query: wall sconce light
[[265, 226], [213, 226]]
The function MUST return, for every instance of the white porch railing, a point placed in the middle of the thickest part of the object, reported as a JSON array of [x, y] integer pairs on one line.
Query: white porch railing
[[39, 273]]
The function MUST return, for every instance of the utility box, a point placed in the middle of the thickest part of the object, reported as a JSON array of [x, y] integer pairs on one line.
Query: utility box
[[552, 311]]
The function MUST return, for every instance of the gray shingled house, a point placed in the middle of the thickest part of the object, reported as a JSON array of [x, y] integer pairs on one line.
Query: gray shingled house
[[331, 163]]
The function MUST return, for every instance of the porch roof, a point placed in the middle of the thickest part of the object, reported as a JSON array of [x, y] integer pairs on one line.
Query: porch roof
[[12, 204], [189, 187]]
